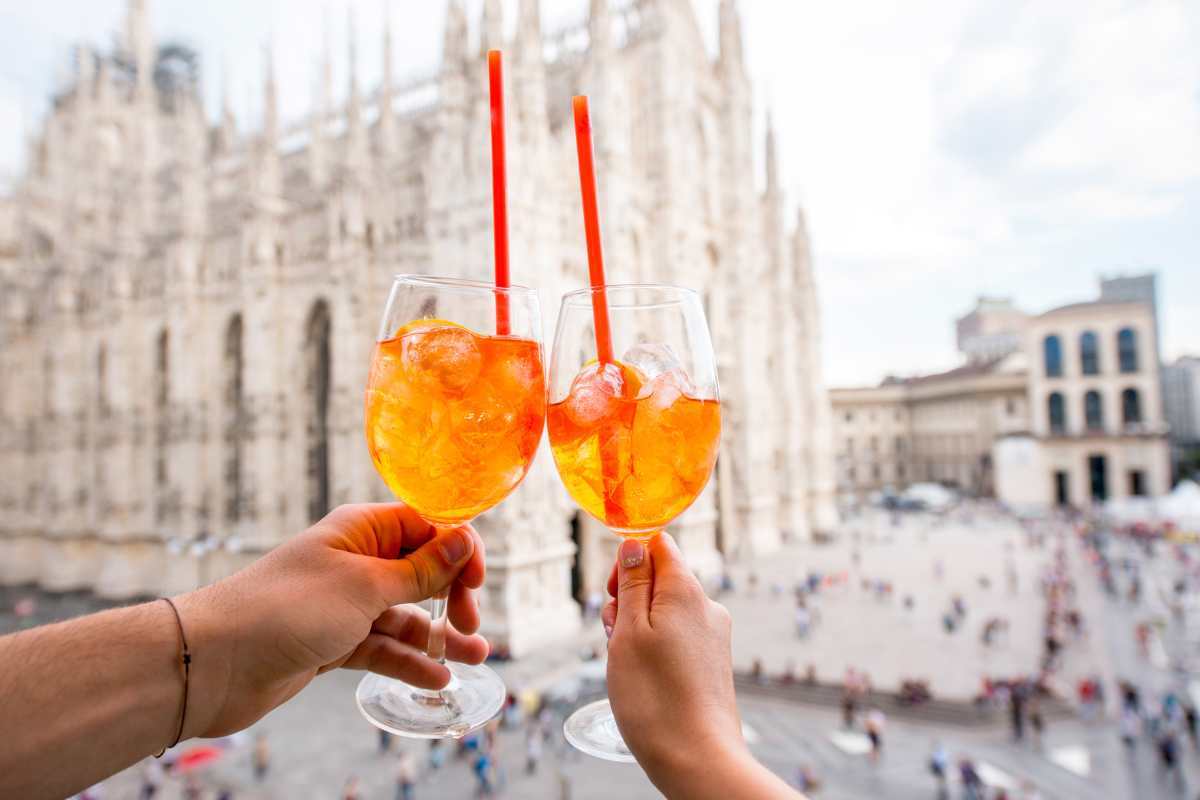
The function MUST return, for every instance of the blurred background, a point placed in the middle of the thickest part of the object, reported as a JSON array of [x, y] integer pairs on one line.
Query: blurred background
[[949, 257]]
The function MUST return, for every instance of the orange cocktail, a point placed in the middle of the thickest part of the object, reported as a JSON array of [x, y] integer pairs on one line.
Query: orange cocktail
[[634, 453], [454, 417]]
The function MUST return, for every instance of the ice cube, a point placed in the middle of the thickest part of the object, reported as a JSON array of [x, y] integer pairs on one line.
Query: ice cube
[[445, 354], [652, 359], [659, 368], [595, 394]]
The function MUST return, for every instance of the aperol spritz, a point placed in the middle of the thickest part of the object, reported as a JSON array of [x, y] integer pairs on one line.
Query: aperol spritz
[[454, 413], [634, 438], [454, 417]]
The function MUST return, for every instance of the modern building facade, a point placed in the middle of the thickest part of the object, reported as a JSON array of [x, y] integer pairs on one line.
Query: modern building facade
[[189, 308], [1181, 390]]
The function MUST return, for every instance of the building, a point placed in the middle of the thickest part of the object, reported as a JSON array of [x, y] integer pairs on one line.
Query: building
[[1058, 408], [1097, 430], [191, 306], [990, 330], [930, 428], [1181, 390]]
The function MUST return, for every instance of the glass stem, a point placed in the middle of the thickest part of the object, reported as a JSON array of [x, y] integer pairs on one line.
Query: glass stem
[[438, 606]]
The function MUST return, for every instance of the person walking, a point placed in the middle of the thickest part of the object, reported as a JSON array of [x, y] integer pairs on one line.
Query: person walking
[[437, 754], [849, 697], [939, 765], [350, 790], [1016, 709], [483, 774], [152, 778], [385, 742], [972, 784], [1168, 754], [1036, 721], [533, 749], [261, 757], [803, 619], [1131, 728], [406, 776], [875, 723]]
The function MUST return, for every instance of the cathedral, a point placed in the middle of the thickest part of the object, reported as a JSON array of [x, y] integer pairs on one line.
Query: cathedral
[[188, 307]]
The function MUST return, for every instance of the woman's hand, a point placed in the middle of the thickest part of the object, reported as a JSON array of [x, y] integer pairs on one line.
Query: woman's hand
[[670, 679], [325, 600]]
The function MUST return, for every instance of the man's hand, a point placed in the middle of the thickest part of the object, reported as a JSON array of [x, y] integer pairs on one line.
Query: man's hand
[[325, 600]]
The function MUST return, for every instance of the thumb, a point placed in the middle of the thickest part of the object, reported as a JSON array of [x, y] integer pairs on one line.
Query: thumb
[[635, 576], [428, 569]]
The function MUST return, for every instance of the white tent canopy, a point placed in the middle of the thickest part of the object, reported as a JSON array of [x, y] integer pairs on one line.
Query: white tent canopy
[[1181, 508]]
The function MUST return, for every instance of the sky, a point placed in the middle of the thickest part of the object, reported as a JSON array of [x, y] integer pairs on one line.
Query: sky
[[941, 150]]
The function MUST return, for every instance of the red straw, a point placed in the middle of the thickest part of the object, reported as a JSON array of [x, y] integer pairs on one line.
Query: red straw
[[591, 226], [499, 188]]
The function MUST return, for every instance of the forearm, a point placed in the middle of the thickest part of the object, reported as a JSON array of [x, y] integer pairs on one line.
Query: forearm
[[86, 698], [728, 772]]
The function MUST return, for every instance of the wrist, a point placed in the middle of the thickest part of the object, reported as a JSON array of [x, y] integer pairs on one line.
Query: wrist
[[706, 766], [210, 630]]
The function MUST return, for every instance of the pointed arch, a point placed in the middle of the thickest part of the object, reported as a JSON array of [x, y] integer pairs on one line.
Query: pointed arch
[[162, 400], [233, 418], [317, 373]]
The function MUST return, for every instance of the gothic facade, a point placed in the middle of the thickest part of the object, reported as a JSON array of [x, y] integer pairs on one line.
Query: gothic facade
[[188, 308]]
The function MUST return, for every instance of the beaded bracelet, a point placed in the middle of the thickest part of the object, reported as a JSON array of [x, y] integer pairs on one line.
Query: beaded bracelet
[[186, 661]]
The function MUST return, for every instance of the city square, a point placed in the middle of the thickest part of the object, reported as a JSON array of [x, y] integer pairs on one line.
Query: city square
[[320, 740]]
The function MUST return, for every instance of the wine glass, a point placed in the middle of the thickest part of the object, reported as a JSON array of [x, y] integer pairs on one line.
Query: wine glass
[[634, 439], [455, 405]]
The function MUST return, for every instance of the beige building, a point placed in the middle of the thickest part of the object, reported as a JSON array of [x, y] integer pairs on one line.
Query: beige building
[[187, 309], [931, 428], [873, 440], [1058, 408], [1097, 429]]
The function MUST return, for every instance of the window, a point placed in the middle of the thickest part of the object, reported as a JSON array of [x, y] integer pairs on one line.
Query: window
[[1127, 350], [1131, 407], [850, 473], [849, 445], [874, 443], [1137, 483], [1089, 354], [1010, 407], [1093, 411], [316, 384], [900, 471], [1062, 488], [102, 381], [1057, 410], [849, 416], [1052, 349], [899, 444], [875, 472], [1098, 477], [897, 415]]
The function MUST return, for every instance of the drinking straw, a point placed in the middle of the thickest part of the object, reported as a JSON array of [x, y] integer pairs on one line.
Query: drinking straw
[[591, 227], [614, 514], [499, 188]]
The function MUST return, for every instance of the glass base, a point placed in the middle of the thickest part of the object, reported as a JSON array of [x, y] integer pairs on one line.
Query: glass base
[[474, 695], [593, 729]]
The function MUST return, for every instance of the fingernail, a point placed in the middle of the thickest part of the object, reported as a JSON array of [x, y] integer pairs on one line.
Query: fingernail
[[453, 546], [608, 631], [631, 553]]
